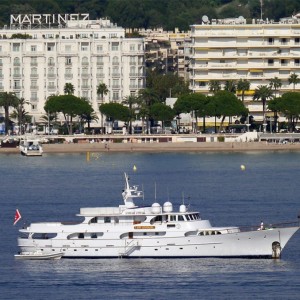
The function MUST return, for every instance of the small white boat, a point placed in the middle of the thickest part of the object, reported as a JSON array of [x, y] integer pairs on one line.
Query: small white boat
[[30, 147], [38, 255]]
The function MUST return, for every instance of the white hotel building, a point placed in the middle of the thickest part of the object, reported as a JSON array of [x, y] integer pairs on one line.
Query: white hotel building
[[81, 52], [230, 49]]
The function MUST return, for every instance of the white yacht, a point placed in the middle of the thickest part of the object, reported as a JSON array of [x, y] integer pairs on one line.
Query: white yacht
[[157, 231], [30, 147]]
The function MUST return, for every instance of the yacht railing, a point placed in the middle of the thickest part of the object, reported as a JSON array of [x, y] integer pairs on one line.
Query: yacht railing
[[269, 226]]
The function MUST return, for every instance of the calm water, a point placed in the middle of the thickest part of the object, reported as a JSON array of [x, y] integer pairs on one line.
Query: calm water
[[54, 187]]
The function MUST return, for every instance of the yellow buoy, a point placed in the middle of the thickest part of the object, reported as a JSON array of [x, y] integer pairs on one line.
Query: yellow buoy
[[243, 168], [134, 168], [88, 156]]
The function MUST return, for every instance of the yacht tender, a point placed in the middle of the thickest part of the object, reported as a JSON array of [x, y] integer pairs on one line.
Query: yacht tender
[[30, 147], [156, 231]]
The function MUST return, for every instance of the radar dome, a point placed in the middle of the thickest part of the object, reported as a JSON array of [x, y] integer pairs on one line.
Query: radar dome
[[182, 208], [156, 208], [168, 207]]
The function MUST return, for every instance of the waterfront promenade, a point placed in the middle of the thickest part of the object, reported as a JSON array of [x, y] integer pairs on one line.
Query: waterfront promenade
[[161, 147]]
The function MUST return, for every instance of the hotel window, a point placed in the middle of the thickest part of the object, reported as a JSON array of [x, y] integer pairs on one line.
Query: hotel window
[[33, 61], [297, 62], [297, 40], [99, 60], [132, 71], [115, 60], [140, 47], [85, 61], [33, 48], [283, 62], [85, 71], [115, 71], [34, 71], [115, 83], [283, 41], [114, 46], [17, 61], [33, 84], [132, 84], [99, 71], [51, 71], [51, 61], [1, 85], [132, 60], [33, 96], [50, 47], [17, 72], [132, 47], [85, 83], [17, 84], [271, 41], [68, 71], [99, 48], [0, 48], [16, 47], [68, 61], [84, 47], [270, 62], [115, 96], [85, 95]]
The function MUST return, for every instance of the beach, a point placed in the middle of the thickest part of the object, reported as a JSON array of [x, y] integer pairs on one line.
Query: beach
[[162, 147]]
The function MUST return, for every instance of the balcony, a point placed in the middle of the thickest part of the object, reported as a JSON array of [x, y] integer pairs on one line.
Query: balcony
[[85, 63], [99, 75], [115, 86], [34, 87], [51, 64], [33, 64], [17, 75], [34, 75], [51, 75], [17, 87], [51, 88], [85, 75], [99, 63], [68, 76], [85, 86], [33, 99], [115, 74]]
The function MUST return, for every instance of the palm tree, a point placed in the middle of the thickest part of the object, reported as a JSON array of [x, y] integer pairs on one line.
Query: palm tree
[[275, 84], [102, 90], [131, 101], [293, 79], [214, 86], [243, 85], [20, 113], [7, 100], [69, 89], [263, 93], [230, 86]]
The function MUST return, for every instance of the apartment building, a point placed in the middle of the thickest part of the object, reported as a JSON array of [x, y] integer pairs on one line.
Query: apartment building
[[231, 49], [39, 54]]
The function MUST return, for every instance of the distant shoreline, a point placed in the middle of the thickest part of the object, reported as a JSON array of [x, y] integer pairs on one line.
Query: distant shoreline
[[162, 147]]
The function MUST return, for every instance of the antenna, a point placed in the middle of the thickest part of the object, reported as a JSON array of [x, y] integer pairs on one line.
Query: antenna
[[155, 191], [261, 9], [182, 197]]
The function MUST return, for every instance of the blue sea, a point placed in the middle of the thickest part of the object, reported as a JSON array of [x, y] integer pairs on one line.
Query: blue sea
[[55, 186]]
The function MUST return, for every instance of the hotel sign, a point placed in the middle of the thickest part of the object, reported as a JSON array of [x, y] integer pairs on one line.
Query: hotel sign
[[37, 19]]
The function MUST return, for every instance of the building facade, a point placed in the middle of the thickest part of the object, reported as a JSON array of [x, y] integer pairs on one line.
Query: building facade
[[230, 49], [37, 60]]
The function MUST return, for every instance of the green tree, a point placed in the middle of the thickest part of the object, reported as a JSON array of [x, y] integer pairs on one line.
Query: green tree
[[115, 111], [243, 85], [69, 105], [274, 105], [275, 84], [214, 86], [88, 114], [69, 89], [294, 79], [228, 105], [289, 105], [162, 112], [7, 100], [263, 93]]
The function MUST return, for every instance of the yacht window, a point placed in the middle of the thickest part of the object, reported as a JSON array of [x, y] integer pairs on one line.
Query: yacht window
[[107, 219], [93, 235], [188, 217], [180, 218], [94, 220], [172, 218], [81, 236]]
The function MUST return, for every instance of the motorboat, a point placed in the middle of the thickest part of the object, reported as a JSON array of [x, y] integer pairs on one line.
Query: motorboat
[[38, 255], [156, 231], [30, 147]]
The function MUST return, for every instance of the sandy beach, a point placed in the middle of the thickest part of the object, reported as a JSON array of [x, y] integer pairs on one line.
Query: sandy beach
[[161, 147]]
